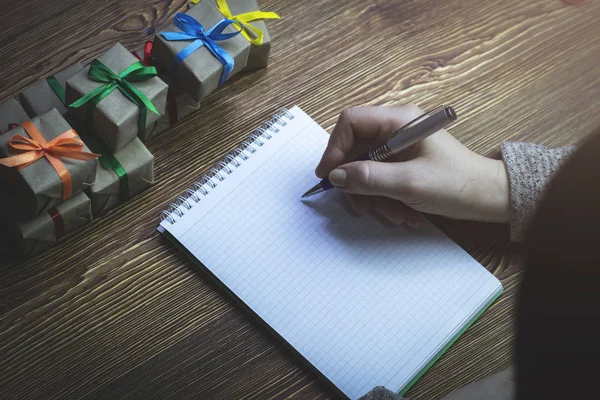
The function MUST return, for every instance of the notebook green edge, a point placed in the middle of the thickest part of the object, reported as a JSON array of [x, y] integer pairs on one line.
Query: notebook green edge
[[449, 344]]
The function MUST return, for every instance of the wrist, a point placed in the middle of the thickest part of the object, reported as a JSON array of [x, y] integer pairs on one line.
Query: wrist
[[494, 194]]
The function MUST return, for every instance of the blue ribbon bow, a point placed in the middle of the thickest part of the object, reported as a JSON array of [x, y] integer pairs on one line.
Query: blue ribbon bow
[[193, 30]]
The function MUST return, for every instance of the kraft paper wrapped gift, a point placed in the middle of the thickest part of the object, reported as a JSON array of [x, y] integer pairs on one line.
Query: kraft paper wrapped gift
[[183, 106], [10, 210], [214, 50], [43, 232], [121, 176], [11, 112], [48, 93], [41, 179], [117, 118], [179, 104], [247, 13]]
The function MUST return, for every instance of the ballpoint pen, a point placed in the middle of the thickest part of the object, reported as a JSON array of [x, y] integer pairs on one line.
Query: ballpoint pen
[[402, 139]]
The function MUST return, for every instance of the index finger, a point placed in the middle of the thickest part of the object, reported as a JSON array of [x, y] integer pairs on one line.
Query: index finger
[[359, 129]]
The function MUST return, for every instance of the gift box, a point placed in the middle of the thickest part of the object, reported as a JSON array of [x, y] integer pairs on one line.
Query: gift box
[[121, 176], [44, 231], [11, 112], [254, 29], [45, 162], [11, 115], [179, 104], [201, 50], [117, 97], [48, 93], [10, 210], [178, 107]]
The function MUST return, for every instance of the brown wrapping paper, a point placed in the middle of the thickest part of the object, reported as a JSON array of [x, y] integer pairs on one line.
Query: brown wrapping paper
[[38, 235], [138, 162], [11, 112], [184, 105], [10, 210], [199, 74], [259, 55], [41, 98], [115, 119], [38, 187]]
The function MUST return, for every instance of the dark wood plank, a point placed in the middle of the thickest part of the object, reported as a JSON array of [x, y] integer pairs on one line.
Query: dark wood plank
[[118, 311]]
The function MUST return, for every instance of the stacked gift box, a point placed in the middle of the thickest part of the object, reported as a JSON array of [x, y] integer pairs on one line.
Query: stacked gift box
[[46, 169], [72, 146]]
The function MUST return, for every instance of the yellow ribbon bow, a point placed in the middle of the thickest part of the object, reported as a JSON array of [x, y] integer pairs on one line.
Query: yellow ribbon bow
[[244, 20]]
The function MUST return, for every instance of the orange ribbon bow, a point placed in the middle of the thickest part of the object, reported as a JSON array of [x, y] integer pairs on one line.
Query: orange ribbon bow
[[66, 145]]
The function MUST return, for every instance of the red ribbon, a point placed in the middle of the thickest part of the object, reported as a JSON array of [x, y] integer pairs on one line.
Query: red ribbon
[[10, 127], [147, 57], [59, 224], [172, 107]]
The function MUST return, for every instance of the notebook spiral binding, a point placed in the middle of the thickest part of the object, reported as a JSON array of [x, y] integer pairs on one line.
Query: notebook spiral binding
[[218, 173]]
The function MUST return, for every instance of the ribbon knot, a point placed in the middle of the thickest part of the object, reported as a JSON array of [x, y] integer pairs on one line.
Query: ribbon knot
[[136, 72], [244, 20], [192, 30], [66, 145]]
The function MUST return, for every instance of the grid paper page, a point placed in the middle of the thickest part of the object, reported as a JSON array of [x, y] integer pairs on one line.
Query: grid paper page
[[365, 304]]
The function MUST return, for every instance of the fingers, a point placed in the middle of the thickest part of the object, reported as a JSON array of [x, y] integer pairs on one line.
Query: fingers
[[397, 213], [360, 204], [374, 178], [392, 211], [366, 126]]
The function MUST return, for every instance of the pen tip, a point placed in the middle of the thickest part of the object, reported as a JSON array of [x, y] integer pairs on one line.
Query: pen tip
[[313, 191]]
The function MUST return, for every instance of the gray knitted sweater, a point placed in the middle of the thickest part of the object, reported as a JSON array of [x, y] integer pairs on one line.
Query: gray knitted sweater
[[530, 167]]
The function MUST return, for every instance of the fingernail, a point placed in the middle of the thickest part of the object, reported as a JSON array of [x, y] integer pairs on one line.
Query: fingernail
[[337, 177]]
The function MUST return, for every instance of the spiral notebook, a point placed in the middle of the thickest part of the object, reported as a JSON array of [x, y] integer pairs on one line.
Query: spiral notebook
[[363, 304]]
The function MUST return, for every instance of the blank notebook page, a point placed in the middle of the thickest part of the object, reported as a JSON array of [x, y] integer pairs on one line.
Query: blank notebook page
[[365, 304]]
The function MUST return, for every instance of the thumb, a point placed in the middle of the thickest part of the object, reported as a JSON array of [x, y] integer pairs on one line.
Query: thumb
[[371, 178]]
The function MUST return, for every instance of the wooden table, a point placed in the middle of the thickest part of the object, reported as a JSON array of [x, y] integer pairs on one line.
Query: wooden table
[[116, 311]]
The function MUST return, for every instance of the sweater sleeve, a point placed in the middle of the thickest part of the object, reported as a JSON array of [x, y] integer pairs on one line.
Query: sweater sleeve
[[530, 168]]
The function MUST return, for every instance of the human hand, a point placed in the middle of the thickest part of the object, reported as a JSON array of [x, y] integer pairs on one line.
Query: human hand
[[437, 175]]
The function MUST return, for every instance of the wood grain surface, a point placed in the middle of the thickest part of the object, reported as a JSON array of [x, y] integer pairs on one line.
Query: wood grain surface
[[116, 311]]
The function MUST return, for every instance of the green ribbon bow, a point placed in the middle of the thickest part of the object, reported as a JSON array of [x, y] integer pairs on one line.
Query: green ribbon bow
[[134, 73]]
